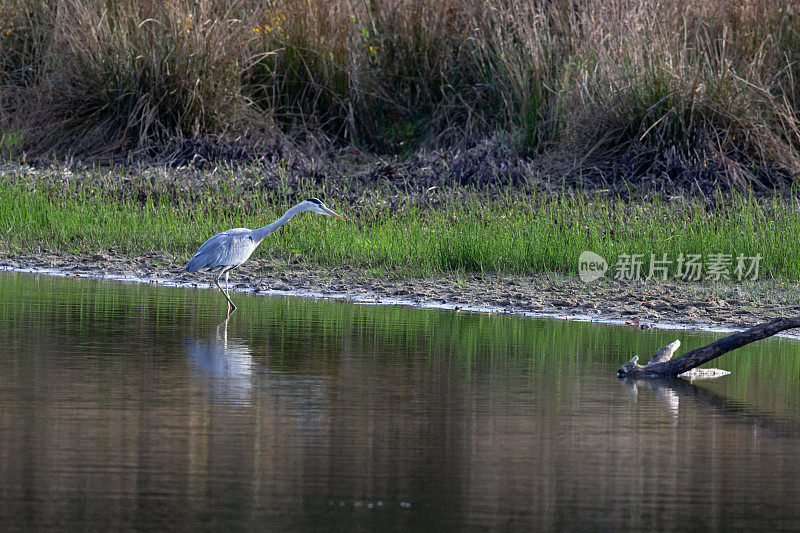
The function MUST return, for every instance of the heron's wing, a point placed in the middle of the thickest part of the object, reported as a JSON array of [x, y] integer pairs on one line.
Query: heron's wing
[[227, 249]]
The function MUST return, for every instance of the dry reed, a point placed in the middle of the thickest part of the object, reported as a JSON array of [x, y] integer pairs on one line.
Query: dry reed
[[611, 86]]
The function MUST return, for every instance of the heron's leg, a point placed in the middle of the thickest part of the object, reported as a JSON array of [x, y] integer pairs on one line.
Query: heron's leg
[[230, 303], [227, 293]]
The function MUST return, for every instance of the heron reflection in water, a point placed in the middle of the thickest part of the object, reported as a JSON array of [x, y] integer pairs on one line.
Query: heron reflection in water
[[228, 362]]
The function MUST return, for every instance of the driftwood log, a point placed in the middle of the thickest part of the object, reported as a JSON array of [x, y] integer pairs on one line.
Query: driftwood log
[[662, 365]]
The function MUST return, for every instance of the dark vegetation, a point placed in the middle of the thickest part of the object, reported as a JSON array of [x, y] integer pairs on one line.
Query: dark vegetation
[[698, 95]]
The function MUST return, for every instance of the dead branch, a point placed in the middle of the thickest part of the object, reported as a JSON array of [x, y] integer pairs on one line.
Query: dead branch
[[662, 366]]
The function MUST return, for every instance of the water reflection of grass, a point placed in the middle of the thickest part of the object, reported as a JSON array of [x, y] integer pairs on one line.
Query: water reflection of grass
[[297, 335], [523, 234]]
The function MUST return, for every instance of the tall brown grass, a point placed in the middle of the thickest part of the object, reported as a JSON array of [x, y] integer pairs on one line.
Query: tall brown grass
[[619, 86]]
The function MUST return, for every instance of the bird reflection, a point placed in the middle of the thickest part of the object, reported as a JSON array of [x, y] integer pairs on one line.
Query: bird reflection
[[665, 390], [227, 363], [670, 392]]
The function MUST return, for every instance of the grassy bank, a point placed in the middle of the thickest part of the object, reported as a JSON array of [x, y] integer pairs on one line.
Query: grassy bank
[[457, 230], [620, 87]]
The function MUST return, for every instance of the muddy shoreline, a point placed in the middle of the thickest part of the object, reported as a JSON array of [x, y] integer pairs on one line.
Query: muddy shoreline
[[646, 304]]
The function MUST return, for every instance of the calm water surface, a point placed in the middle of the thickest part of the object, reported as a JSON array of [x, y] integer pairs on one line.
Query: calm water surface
[[132, 406]]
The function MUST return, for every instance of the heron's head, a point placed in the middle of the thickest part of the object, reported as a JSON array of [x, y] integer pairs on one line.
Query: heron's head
[[316, 205]]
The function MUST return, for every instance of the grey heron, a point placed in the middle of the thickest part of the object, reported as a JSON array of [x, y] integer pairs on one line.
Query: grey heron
[[227, 250]]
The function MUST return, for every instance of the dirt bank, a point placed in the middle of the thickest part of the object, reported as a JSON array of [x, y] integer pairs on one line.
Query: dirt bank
[[651, 304]]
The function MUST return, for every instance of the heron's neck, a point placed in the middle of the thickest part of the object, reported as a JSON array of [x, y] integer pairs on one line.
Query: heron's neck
[[259, 234]]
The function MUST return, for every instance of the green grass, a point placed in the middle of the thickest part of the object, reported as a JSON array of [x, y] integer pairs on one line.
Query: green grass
[[522, 234]]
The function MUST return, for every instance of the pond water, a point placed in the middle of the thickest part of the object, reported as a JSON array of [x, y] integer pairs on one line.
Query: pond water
[[129, 406]]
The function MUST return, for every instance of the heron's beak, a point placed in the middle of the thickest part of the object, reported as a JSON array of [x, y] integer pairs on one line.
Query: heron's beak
[[333, 213]]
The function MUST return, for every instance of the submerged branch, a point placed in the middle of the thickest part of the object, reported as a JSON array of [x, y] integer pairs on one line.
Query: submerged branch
[[662, 366]]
